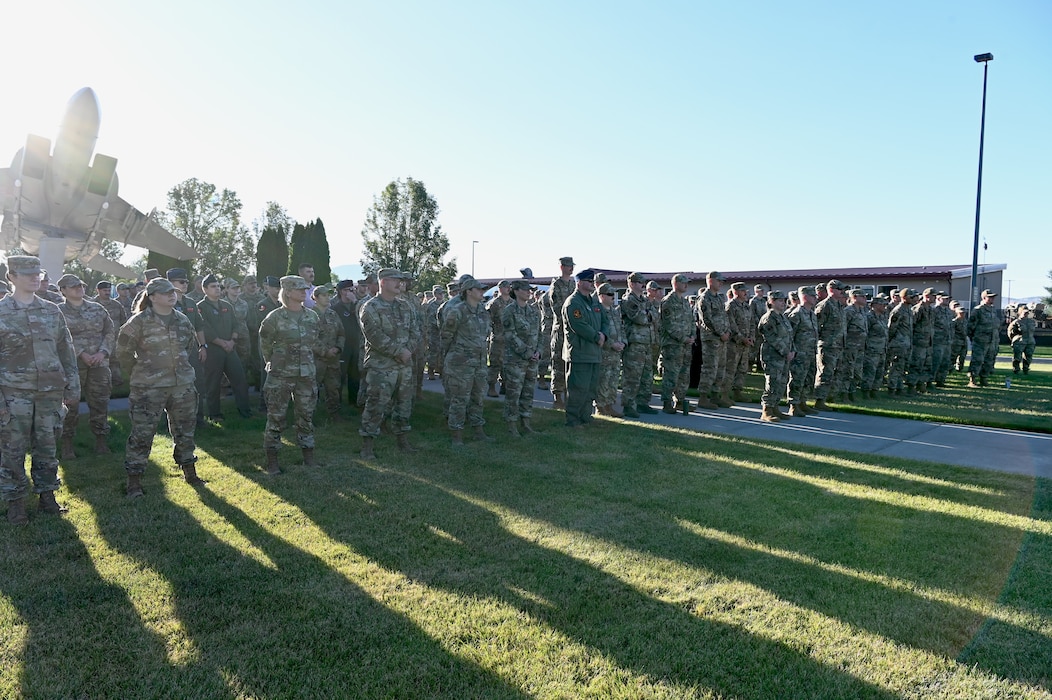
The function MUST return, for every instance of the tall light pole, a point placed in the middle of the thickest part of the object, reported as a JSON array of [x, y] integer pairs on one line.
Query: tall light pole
[[473, 258], [985, 59]]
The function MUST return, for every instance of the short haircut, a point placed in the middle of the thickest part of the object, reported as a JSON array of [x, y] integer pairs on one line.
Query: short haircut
[[305, 265]]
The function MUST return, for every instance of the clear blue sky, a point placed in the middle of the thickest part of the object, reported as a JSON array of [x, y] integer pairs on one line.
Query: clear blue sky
[[653, 136]]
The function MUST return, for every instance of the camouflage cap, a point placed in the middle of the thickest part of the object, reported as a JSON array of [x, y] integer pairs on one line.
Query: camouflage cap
[[320, 291], [606, 288], [435, 289], [906, 293], [122, 285], [879, 299], [989, 293], [248, 278], [715, 276], [369, 279], [503, 284], [836, 284], [294, 282], [941, 293], [471, 283], [452, 287], [70, 280], [806, 291], [159, 285], [24, 265], [928, 292], [566, 261], [151, 273], [390, 273], [230, 283], [739, 287], [637, 277], [520, 285], [653, 285], [680, 278], [177, 274], [856, 293], [775, 294], [956, 305], [600, 277]]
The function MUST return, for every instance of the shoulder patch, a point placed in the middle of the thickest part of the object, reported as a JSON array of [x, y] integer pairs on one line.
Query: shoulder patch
[[577, 313]]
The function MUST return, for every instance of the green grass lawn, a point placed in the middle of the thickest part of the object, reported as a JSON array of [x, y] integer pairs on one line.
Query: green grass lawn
[[619, 561]]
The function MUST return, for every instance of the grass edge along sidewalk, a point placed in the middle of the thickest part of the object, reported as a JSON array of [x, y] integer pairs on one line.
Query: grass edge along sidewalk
[[618, 561]]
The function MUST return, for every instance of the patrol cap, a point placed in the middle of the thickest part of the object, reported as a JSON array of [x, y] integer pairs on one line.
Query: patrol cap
[[389, 273], [104, 284], [775, 294], [522, 285], [955, 305], [586, 275], [928, 292], [738, 286], [715, 276], [503, 284], [856, 293], [805, 291], [122, 285], [653, 285], [210, 279], [151, 274], [452, 287], [880, 299], [248, 278], [230, 283], [319, 291], [836, 284], [273, 281], [600, 277], [344, 284], [906, 292], [680, 278], [159, 285], [471, 283], [436, 289], [24, 264], [989, 293], [177, 274], [294, 282], [606, 288], [369, 279], [566, 261], [70, 280], [942, 294], [637, 277], [526, 272]]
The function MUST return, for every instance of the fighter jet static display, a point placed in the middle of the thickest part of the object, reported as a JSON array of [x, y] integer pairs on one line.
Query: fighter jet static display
[[60, 206]]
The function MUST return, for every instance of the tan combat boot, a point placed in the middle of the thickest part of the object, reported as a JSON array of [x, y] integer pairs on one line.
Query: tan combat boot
[[16, 512], [134, 487], [724, 400], [795, 411], [190, 474], [403, 443], [367, 449], [67, 447], [513, 428], [768, 416], [526, 427], [706, 402], [48, 504], [272, 467], [458, 438], [308, 457], [821, 405], [480, 434]]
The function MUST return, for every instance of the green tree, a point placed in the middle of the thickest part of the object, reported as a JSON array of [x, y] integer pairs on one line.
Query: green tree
[[309, 245], [210, 221], [401, 230], [272, 254], [1048, 299]]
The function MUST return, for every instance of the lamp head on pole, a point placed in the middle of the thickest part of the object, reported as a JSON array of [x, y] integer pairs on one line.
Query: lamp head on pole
[[984, 57]]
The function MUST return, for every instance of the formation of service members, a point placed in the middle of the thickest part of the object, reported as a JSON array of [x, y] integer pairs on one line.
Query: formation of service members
[[302, 343]]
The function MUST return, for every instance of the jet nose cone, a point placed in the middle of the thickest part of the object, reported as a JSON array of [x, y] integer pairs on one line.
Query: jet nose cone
[[83, 106]]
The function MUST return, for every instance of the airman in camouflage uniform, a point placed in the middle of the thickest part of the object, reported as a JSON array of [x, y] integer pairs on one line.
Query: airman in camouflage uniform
[[387, 326], [758, 307], [856, 331], [38, 374], [434, 352], [776, 353], [923, 334], [465, 331], [942, 338], [119, 316], [328, 351], [984, 330], [873, 362], [959, 345], [637, 317], [155, 347], [93, 336], [521, 321], [900, 340], [560, 290], [544, 305], [495, 307], [830, 315], [805, 341], [1021, 335], [242, 344], [677, 339], [655, 293], [44, 291], [739, 347], [288, 342], [715, 331], [610, 364]]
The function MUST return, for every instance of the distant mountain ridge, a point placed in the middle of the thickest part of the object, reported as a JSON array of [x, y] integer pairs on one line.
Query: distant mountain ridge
[[348, 272]]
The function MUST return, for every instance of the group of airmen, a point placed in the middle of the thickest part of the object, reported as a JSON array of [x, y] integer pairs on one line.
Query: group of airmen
[[178, 342]]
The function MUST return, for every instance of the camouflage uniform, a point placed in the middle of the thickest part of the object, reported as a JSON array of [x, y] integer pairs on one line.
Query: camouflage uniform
[[713, 324], [1021, 335], [677, 328], [739, 319], [804, 324], [155, 351], [38, 371], [387, 327], [329, 378], [259, 312], [923, 333], [92, 332], [757, 307], [434, 351], [419, 349], [559, 291], [876, 349], [119, 316], [465, 331], [983, 329], [942, 338], [900, 344], [287, 342], [547, 322], [610, 365], [959, 344], [243, 345], [522, 340], [495, 308], [830, 315], [637, 316], [776, 335], [856, 331]]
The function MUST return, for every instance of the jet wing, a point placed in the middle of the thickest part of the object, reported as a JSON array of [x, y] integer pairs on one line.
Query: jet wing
[[109, 267], [126, 224]]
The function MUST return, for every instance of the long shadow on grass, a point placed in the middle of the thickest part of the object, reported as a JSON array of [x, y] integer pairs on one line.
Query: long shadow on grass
[[84, 638], [299, 630], [445, 542], [638, 505]]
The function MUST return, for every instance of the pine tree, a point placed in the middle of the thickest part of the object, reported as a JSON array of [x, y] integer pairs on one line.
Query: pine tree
[[272, 254]]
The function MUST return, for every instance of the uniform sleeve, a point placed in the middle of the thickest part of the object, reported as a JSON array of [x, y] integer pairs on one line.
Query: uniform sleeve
[[109, 337], [127, 342], [576, 321], [207, 324], [372, 327], [512, 340], [68, 357]]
